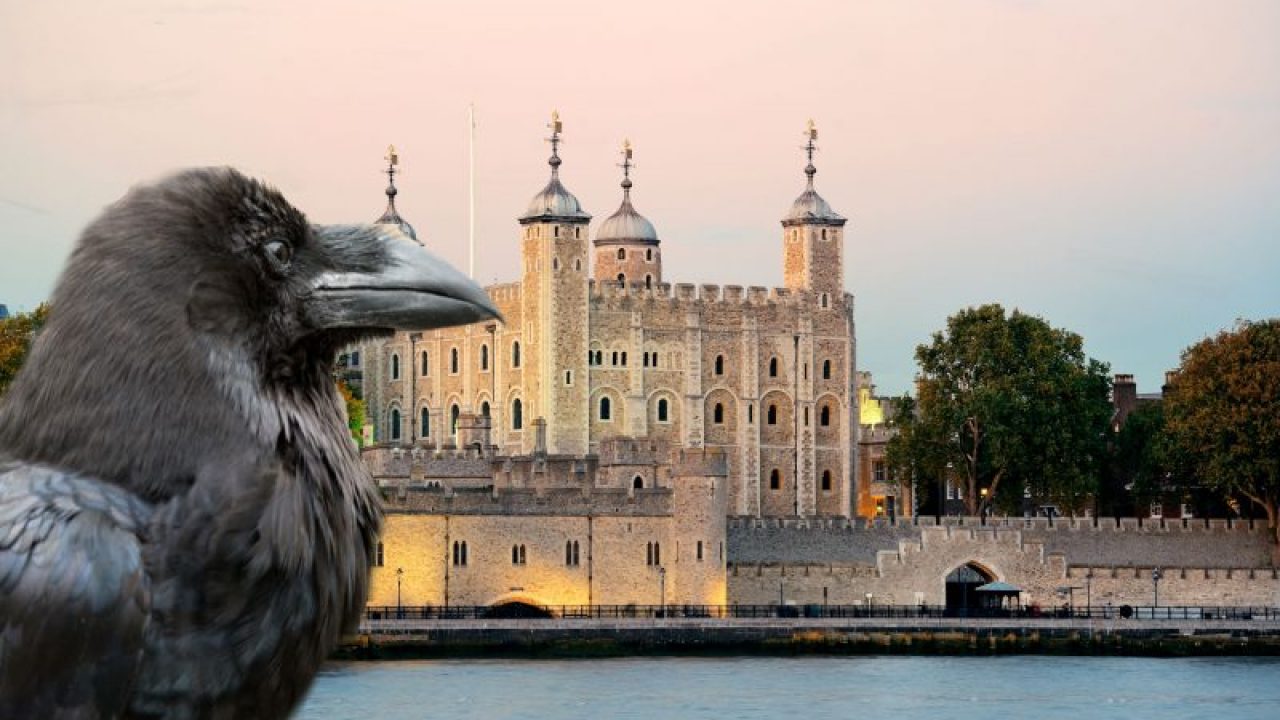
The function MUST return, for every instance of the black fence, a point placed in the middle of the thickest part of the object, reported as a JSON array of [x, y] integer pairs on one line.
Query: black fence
[[609, 612]]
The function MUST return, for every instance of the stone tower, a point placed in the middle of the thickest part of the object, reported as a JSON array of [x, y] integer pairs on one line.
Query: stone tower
[[813, 240], [626, 244], [554, 232]]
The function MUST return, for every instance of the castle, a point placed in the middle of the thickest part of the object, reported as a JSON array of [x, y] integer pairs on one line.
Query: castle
[[597, 345]]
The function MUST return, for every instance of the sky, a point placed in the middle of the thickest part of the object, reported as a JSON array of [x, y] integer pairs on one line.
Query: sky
[[1113, 167]]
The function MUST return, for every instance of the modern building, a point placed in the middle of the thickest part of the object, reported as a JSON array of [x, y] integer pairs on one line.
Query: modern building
[[597, 342]]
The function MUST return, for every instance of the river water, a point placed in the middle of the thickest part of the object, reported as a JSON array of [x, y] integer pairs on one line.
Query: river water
[[930, 688]]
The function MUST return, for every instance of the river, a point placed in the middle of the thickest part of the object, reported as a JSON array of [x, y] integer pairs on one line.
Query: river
[[898, 687]]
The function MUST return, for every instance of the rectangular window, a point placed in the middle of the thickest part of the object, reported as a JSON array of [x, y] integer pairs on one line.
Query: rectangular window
[[878, 473], [699, 551]]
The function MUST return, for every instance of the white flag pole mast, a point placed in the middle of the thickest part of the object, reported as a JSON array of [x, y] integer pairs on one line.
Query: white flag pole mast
[[471, 235]]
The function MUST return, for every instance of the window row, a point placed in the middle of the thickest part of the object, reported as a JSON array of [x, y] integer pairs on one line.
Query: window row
[[775, 480], [604, 409], [648, 254], [395, 421], [424, 361]]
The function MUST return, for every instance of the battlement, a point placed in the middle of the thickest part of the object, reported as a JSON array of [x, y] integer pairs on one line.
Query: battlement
[[504, 292], [701, 462], [689, 293], [555, 501]]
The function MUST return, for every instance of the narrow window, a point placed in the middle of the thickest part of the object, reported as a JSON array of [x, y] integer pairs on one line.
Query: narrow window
[[577, 264], [395, 424], [646, 359], [484, 357], [577, 232], [657, 554], [426, 364], [484, 409], [622, 254], [775, 479], [568, 552], [773, 367], [568, 377], [825, 300], [453, 420], [379, 559], [624, 358], [637, 483], [515, 354], [395, 367], [719, 365], [717, 415], [648, 554], [555, 263], [825, 418], [575, 552], [599, 357], [456, 555], [648, 281], [517, 415], [515, 555], [648, 254], [806, 417], [805, 372], [355, 358], [773, 415], [523, 558], [453, 360], [605, 409], [615, 357], [425, 423], [751, 413], [662, 410], [826, 480], [699, 551], [622, 279], [464, 552], [826, 369]]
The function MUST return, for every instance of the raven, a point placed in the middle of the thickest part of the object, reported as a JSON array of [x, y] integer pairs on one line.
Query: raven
[[186, 528]]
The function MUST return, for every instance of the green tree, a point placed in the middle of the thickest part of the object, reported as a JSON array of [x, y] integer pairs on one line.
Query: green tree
[[1222, 414], [355, 412], [16, 335], [1140, 461], [1008, 404]]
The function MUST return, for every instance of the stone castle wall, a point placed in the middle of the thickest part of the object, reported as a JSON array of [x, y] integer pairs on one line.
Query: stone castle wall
[[1202, 562]]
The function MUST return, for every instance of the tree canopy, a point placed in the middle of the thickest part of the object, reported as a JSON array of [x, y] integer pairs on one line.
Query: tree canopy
[[16, 335], [355, 411], [1009, 405], [1223, 413]]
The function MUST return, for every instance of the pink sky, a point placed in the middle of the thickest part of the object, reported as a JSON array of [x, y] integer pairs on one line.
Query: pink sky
[[1112, 166]]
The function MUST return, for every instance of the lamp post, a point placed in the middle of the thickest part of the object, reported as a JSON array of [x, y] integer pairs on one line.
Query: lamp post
[[1088, 591], [399, 610], [1156, 575], [662, 591], [982, 505]]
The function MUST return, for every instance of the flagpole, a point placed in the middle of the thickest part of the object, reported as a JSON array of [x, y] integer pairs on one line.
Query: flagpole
[[471, 235]]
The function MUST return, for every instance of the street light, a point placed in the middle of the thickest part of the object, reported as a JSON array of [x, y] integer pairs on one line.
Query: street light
[[1088, 591], [982, 506], [1156, 575], [399, 575]]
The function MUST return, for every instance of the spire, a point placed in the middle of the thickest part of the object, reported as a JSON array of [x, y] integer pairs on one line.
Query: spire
[[626, 171], [390, 216], [810, 170], [554, 161]]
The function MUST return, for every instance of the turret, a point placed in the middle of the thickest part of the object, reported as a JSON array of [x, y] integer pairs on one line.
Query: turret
[[813, 239], [626, 243]]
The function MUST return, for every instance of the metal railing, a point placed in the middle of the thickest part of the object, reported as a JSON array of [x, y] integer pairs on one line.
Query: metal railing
[[610, 612]]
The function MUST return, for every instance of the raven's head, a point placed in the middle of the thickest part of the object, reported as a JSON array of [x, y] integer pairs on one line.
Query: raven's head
[[190, 300]]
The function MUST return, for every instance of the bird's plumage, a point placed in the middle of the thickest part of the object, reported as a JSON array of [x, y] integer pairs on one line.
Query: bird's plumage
[[185, 525]]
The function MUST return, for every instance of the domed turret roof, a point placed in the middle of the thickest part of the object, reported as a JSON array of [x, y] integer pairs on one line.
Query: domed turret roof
[[626, 225], [391, 216], [810, 208], [554, 202]]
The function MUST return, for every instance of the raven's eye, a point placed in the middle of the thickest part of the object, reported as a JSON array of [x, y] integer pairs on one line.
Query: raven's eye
[[280, 253]]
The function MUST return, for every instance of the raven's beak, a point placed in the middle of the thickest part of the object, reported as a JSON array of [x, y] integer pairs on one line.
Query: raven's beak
[[385, 280]]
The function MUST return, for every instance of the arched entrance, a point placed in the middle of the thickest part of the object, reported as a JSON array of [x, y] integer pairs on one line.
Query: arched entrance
[[516, 609], [963, 599]]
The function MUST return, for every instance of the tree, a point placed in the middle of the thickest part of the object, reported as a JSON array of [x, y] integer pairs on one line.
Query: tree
[[1222, 414], [16, 335], [1008, 404], [355, 412]]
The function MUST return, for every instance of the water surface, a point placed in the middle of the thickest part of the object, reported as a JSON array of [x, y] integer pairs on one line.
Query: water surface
[[964, 688]]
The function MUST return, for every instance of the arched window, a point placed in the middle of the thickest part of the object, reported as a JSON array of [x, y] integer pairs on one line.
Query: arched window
[[379, 558], [824, 418], [775, 479], [648, 281], [453, 420], [637, 483], [826, 369], [719, 364], [599, 357], [453, 360], [622, 253], [425, 364], [515, 354], [773, 367], [615, 357], [717, 414], [605, 409], [826, 480], [825, 300], [395, 423], [517, 414], [662, 410], [425, 423], [484, 357], [773, 415], [648, 254], [622, 279], [484, 409], [395, 367]]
